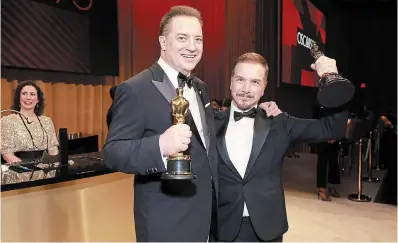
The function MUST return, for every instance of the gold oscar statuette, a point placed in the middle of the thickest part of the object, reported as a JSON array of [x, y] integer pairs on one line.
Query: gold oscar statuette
[[179, 164]]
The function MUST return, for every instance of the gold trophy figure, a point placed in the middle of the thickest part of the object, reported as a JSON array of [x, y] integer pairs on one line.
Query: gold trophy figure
[[334, 89], [179, 165]]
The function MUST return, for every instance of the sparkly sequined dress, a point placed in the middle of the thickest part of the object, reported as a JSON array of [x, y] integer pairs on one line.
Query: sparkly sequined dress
[[27, 142], [17, 135]]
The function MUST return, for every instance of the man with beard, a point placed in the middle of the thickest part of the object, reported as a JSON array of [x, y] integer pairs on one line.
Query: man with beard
[[251, 150]]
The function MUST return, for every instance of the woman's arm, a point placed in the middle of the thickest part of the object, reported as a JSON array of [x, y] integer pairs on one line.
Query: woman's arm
[[7, 140], [11, 158], [52, 139]]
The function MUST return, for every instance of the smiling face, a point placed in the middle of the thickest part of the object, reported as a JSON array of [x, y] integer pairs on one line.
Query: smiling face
[[248, 83], [28, 98], [182, 45]]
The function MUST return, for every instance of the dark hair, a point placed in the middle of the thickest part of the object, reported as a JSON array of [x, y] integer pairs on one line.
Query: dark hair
[[39, 108], [178, 11], [252, 57]]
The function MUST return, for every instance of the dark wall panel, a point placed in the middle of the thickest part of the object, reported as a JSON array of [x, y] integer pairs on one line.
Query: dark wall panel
[[39, 36]]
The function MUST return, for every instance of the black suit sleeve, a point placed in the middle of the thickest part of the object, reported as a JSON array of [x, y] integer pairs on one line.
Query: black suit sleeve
[[126, 149], [331, 126]]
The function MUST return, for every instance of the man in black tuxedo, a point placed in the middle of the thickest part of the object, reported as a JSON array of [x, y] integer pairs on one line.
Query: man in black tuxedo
[[141, 136], [251, 150]]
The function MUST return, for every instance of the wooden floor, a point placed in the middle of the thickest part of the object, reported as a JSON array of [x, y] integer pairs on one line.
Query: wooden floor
[[339, 220]]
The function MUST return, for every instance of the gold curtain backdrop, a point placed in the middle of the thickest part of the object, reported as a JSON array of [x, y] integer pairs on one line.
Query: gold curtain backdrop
[[77, 107]]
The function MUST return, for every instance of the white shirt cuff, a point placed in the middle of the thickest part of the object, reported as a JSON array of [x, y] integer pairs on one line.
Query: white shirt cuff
[[164, 158]]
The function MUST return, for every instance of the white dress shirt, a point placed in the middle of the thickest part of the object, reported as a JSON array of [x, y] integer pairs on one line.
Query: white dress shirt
[[189, 94], [239, 141]]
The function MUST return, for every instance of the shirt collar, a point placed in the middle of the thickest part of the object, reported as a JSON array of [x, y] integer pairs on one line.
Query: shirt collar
[[170, 72], [233, 109]]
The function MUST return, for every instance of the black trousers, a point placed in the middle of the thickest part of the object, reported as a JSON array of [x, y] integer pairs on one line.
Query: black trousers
[[328, 169], [247, 233]]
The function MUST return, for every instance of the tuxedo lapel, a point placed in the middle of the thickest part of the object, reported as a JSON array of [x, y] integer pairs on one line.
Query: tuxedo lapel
[[206, 113], [222, 146], [191, 123], [262, 125], [162, 82]]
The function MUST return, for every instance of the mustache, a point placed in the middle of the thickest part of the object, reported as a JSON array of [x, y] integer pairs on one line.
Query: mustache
[[245, 95]]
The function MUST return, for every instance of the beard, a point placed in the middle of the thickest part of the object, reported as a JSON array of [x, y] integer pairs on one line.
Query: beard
[[244, 101]]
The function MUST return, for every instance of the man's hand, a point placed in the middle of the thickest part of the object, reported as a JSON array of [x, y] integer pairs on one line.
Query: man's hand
[[324, 65], [175, 139], [270, 108]]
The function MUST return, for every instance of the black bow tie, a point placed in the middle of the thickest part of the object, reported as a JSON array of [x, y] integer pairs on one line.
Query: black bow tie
[[239, 115], [182, 79]]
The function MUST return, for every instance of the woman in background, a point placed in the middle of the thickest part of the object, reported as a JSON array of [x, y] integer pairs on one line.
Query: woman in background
[[29, 134], [328, 169]]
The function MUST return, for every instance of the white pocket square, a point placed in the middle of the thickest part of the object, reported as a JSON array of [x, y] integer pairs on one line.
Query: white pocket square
[[207, 105]]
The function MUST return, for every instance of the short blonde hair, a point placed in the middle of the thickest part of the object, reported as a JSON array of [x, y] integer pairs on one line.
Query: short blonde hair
[[175, 11], [253, 58]]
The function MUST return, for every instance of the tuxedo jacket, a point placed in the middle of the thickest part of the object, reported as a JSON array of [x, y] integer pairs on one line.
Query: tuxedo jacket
[[261, 187], [112, 92], [164, 210]]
